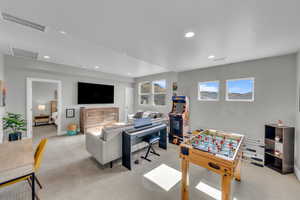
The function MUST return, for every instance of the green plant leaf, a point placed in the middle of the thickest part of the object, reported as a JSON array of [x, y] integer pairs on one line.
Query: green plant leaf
[[15, 122]]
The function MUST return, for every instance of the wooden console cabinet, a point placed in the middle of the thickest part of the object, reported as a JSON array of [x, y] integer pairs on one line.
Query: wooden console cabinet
[[97, 117]]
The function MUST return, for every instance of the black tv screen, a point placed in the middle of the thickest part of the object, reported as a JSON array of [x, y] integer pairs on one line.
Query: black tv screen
[[89, 93]]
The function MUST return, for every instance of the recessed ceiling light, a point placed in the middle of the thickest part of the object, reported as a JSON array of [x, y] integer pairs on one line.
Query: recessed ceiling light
[[211, 57], [189, 34], [128, 74], [47, 57], [63, 32], [97, 67]]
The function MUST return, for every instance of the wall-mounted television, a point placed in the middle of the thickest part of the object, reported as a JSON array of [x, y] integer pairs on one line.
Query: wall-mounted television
[[90, 93]]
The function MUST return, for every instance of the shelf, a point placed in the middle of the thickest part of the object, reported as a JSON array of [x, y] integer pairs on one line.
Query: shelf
[[271, 140], [277, 126], [273, 154], [282, 163], [274, 168]]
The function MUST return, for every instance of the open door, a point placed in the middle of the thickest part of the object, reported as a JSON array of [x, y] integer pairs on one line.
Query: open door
[[29, 105], [128, 102], [29, 108]]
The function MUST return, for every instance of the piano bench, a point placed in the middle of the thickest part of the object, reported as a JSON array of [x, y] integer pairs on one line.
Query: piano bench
[[151, 140]]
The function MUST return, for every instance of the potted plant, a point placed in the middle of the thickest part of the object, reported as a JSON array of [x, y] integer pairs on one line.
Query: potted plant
[[16, 124]]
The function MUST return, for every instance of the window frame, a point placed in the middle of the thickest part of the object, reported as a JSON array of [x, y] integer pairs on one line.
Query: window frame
[[240, 100], [215, 81], [154, 93], [144, 94]]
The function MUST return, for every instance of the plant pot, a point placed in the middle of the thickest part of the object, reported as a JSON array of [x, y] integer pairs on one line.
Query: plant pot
[[15, 136], [70, 133]]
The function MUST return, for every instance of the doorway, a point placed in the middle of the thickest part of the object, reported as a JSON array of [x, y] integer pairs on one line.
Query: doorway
[[43, 108], [128, 102]]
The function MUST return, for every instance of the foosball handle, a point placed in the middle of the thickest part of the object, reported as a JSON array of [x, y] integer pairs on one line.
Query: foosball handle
[[252, 150], [213, 165]]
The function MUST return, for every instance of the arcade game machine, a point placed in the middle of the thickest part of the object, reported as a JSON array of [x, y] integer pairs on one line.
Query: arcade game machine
[[179, 119]]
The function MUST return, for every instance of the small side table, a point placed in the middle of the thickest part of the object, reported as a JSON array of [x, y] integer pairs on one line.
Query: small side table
[[41, 120]]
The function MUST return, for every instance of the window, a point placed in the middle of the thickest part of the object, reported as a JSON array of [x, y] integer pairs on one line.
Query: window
[[155, 92], [240, 89], [144, 93], [208, 91], [159, 92]]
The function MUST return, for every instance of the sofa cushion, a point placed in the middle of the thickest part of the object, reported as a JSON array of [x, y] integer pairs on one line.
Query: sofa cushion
[[138, 115], [96, 131], [147, 114], [108, 133]]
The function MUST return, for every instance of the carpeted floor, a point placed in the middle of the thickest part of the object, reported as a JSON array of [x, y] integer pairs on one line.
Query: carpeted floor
[[68, 172], [46, 131]]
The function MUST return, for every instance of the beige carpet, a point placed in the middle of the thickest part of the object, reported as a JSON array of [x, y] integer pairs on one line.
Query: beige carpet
[[46, 131], [68, 172]]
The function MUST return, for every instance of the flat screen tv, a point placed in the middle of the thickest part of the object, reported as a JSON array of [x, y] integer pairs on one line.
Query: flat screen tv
[[89, 93]]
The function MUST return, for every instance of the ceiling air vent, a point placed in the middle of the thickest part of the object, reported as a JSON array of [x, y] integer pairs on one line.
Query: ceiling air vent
[[23, 22], [24, 53]]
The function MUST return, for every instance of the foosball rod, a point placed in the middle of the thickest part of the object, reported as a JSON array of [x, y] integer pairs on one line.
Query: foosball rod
[[252, 155], [255, 144], [258, 160], [247, 153], [254, 161], [246, 148], [252, 139]]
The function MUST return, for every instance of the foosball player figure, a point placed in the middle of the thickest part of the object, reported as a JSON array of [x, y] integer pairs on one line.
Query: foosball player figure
[[222, 142], [213, 140]]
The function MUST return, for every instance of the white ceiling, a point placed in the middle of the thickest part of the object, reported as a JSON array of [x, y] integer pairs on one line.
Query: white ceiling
[[141, 37]]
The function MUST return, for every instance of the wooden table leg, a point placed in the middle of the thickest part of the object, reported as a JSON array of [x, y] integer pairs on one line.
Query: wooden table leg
[[237, 172], [185, 179], [226, 185]]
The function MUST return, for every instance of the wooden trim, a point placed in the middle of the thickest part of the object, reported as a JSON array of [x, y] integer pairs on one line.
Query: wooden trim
[[29, 82], [53, 106]]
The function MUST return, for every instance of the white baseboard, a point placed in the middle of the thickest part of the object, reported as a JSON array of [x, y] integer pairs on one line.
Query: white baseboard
[[62, 132], [297, 172]]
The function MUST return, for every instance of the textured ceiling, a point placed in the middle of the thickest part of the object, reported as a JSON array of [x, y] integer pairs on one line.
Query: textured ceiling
[[142, 37]]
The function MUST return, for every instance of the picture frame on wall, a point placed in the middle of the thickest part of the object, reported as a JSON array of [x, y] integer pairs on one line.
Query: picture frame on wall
[[174, 86], [70, 113], [2, 94]]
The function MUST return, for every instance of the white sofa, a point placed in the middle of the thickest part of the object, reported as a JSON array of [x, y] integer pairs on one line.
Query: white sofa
[[105, 144], [143, 114]]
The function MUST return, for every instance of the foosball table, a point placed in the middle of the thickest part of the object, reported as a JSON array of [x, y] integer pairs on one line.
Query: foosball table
[[217, 151]]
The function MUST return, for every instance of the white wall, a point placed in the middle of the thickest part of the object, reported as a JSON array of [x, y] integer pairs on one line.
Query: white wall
[[170, 77], [17, 70], [275, 98], [2, 109], [42, 94], [297, 139]]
